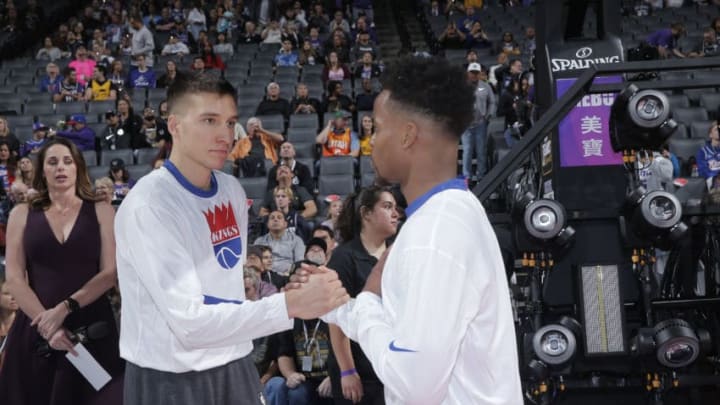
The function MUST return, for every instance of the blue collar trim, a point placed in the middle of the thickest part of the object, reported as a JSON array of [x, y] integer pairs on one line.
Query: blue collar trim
[[454, 184], [189, 186], [211, 300]]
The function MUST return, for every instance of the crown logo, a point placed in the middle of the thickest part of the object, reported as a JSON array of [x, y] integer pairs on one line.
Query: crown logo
[[221, 217]]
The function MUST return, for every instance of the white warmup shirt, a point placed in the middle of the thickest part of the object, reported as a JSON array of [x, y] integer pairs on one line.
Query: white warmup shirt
[[443, 331], [180, 256]]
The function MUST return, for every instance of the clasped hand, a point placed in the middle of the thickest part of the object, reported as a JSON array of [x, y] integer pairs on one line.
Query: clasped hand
[[50, 320]]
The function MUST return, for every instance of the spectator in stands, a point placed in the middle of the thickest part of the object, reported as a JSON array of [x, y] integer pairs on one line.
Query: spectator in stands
[[334, 69], [225, 22], [364, 100], [328, 235], [212, 61], [302, 103], [142, 41], [287, 248], [250, 152], [8, 136], [60, 38], [340, 22], [83, 65], [104, 188], [708, 46], [114, 30], [476, 37], [79, 133], [255, 288], [316, 251], [222, 47], [196, 20], [39, 138], [272, 34], [154, 129], [183, 35], [254, 259], [165, 23], [290, 32], [163, 110], [301, 175], [302, 200], [249, 35], [474, 139], [505, 76], [98, 40], [366, 222], [51, 82], [316, 42], [103, 57], [125, 47], [338, 44], [337, 138], [8, 166], [118, 75], [273, 103], [286, 56], [367, 130], [361, 25], [50, 51], [318, 17], [175, 47], [283, 197], [122, 183], [198, 65], [516, 107], [114, 136], [465, 22], [100, 88], [8, 308], [70, 89], [25, 171], [335, 99], [170, 75], [716, 26], [303, 366], [665, 151], [528, 46], [73, 42], [131, 124], [666, 40], [363, 45], [142, 76], [307, 54], [452, 38], [708, 157], [507, 45], [367, 68]]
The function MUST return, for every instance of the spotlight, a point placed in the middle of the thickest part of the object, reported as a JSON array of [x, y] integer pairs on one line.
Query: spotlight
[[677, 343], [544, 222], [556, 344], [656, 216], [640, 119]]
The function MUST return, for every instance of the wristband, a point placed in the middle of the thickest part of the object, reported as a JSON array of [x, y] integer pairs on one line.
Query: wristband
[[348, 372], [72, 304]]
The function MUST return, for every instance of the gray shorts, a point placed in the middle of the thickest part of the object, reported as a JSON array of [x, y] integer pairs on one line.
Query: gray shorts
[[235, 383]]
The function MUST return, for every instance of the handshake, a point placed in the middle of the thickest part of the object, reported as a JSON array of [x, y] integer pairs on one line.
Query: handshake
[[314, 291]]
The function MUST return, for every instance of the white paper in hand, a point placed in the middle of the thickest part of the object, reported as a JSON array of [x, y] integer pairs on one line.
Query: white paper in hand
[[89, 367]]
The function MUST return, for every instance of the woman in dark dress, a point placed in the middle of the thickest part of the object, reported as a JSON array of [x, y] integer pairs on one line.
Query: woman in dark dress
[[366, 221], [60, 261]]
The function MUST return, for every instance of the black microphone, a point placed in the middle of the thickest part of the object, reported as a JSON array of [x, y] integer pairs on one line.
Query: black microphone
[[83, 334]]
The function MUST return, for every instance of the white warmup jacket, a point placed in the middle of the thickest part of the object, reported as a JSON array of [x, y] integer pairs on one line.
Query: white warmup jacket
[[180, 256], [443, 331]]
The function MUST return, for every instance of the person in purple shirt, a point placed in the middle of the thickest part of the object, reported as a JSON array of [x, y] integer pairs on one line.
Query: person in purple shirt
[[142, 76], [80, 134], [665, 40]]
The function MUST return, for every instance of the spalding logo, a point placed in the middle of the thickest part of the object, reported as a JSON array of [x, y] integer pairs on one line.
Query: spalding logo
[[224, 235]]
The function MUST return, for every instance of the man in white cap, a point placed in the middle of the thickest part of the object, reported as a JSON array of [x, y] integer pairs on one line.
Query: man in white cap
[[474, 139]]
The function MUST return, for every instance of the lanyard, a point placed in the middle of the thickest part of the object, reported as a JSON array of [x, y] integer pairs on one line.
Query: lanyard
[[308, 343]]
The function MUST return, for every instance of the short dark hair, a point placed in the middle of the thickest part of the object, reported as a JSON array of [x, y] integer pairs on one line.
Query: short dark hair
[[433, 87], [198, 83], [325, 228]]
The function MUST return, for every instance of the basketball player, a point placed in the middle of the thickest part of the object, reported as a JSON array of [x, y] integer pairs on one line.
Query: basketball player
[[440, 330], [181, 240]]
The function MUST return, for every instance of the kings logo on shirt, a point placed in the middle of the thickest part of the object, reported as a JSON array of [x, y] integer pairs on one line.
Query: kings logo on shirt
[[224, 235]]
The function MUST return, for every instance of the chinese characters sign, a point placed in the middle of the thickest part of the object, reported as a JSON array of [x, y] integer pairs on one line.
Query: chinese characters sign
[[584, 133]]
